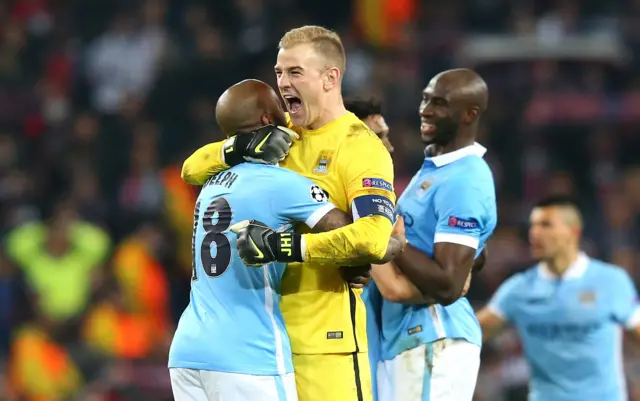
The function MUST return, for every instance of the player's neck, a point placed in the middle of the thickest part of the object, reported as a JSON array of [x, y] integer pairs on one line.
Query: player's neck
[[562, 262], [334, 110], [459, 142]]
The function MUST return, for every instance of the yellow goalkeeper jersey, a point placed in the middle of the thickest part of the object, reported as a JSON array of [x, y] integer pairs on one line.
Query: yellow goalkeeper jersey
[[345, 159]]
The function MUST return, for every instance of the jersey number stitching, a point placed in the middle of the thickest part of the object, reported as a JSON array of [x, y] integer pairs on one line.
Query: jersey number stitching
[[214, 266]]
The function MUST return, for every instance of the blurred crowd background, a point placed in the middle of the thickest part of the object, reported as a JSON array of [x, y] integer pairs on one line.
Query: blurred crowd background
[[101, 101]]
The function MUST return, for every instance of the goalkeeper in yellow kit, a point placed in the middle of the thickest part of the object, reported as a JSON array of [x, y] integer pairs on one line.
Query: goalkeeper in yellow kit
[[325, 318]]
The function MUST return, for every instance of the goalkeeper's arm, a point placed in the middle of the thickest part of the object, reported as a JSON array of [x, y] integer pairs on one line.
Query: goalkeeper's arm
[[351, 245], [204, 163], [268, 144], [367, 240]]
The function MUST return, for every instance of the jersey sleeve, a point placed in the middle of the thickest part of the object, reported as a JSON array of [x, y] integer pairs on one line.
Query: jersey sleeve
[[368, 176], [300, 199], [203, 164], [502, 303], [626, 309], [461, 213]]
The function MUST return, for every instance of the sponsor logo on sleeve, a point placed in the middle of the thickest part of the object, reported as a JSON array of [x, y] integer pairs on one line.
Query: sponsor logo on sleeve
[[378, 183], [467, 224]]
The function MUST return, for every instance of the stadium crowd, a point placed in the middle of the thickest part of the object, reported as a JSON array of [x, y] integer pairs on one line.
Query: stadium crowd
[[101, 101]]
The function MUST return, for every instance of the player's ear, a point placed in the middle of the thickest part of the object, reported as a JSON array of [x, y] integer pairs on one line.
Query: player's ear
[[471, 115], [332, 78], [266, 119]]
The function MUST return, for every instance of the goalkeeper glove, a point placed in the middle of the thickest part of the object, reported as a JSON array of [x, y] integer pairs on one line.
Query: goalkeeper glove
[[258, 244], [267, 145]]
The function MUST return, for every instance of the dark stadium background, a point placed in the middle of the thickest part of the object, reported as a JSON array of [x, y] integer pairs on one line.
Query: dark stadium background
[[101, 100]]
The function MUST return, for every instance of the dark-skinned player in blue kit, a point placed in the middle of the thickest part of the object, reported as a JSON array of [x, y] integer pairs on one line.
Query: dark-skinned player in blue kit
[[431, 339]]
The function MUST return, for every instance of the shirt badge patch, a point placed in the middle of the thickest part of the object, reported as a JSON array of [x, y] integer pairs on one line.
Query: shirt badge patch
[[424, 186], [378, 183], [463, 223], [318, 194], [322, 165]]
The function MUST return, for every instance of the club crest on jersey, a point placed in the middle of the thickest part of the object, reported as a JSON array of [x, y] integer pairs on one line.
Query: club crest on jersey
[[424, 187], [318, 194], [322, 165], [587, 298]]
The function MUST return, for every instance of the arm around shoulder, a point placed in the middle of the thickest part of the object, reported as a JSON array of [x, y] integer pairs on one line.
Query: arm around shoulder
[[364, 241]]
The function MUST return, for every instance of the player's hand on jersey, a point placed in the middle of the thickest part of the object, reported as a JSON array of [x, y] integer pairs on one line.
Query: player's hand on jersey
[[259, 244], [356, 276], [267, 145], [398, 231], [397, 241]]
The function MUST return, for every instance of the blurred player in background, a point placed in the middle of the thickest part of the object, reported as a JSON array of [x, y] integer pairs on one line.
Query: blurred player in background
[[370, 112], [325, 318], [569, 310], [431, 339]]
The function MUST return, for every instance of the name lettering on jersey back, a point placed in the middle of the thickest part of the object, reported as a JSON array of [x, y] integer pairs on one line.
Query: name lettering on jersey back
[[224, 178]]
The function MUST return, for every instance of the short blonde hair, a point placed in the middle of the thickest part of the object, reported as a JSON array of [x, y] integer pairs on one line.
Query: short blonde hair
[[326, 42]]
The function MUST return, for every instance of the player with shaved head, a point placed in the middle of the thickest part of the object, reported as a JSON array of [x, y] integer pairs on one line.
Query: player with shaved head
[[231, 342], [430, 338], [326, 319], [568, 310]]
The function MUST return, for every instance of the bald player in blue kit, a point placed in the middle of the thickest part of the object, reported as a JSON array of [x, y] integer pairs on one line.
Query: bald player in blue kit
[[231, 342], [431, 339]]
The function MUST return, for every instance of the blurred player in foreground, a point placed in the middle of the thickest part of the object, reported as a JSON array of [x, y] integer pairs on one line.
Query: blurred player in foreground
[[431, 339], [325, 318], [569, 310], [231, 342]]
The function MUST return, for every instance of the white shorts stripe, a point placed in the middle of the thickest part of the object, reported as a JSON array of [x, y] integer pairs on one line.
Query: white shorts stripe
[[445, 370], [204, 385]]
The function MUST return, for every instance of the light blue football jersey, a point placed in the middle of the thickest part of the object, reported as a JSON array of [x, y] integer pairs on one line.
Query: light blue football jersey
[[571, 328], [450, 199], [233, 322]]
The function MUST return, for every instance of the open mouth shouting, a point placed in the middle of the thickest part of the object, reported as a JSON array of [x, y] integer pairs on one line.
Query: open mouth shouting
[[294, 104]]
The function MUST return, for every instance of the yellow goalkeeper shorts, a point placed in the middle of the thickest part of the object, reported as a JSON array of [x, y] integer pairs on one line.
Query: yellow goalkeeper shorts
[[333, 377]]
